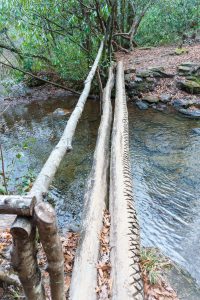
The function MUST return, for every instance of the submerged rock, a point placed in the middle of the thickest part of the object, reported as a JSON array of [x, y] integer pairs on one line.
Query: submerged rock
[[159, 107], [194, 113], [142, 105], [59, 112]]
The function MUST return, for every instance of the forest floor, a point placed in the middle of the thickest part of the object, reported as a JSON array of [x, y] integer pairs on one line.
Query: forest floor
[[165, 58]]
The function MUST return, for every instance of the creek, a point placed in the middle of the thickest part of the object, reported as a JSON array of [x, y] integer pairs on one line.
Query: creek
[[165, 160]]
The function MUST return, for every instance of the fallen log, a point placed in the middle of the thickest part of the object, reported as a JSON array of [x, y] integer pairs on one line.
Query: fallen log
[[24, 258], [124, 232], [84, 276], [49, 237], [17, 205]]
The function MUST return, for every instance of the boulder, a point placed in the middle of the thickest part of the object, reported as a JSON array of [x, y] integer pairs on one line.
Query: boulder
[[165, 98], [189, 86], [160, 72], [188, 68], [139, 85], [151, 99], [179, 103], [143, 73]]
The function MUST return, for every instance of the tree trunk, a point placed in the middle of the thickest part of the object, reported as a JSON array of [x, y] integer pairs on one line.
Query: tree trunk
[[84, 277], [24, 259], [17, 205], [125, 249], [46, 222]]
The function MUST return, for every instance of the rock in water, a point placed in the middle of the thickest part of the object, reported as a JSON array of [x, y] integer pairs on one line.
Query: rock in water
[[193, 113], [142, 105], [59, 112]]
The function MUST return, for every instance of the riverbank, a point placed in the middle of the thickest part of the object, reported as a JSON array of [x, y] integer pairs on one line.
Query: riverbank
[[164, 78]]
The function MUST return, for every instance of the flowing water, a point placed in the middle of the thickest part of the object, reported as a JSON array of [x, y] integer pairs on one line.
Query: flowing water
[[165, 159]]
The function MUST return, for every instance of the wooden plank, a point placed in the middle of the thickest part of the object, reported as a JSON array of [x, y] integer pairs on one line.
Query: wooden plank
[[84, 276], [17, 205], [124, 234]]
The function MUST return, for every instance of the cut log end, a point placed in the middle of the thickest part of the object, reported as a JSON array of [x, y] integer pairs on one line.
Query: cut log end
[[21, 227], [45, 213]]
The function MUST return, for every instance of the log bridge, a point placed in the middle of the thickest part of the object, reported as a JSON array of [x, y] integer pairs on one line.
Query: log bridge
[[109, 185]]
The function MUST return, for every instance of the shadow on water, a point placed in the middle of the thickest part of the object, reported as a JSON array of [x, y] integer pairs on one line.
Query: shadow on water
[[34, 130], [165, 158]]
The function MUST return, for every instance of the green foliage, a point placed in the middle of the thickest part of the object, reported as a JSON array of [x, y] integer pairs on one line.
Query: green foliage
[[166, 21], [64, 35], [153, 264]]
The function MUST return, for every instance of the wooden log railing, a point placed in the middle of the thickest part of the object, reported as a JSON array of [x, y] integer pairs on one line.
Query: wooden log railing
[[17, 205], [124, 232], [23, 230], [84, 277]]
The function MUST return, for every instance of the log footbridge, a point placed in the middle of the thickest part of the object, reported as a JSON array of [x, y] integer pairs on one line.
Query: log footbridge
[[109, 185]]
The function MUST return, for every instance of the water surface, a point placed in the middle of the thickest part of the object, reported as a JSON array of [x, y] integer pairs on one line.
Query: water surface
[[165, 159]]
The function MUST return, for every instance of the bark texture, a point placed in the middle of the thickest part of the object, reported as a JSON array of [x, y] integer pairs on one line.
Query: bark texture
[[24, 258], [84, 276], [47, 226], [125, 249], [17, 205]]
